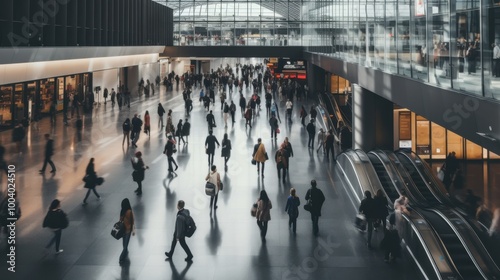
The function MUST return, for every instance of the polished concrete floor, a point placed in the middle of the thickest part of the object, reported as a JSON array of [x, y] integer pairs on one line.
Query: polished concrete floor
[[226, 244]]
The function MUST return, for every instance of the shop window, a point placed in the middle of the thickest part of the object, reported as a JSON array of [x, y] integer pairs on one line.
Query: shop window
[[473, 151], [438, 141], [455, 144], [5, 105], [423, 144]]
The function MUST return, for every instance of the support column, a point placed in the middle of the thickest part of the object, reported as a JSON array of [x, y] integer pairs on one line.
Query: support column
[[373, 121]]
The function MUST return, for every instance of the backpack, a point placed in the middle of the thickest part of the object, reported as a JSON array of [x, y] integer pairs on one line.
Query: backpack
[[190, 225]]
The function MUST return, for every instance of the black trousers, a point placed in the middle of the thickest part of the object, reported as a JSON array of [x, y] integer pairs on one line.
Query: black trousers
[[311, 140], [315, 221], [170, 161], [210, 159], [273, 132], [184, 246], [56, 239], [49, 161], [292, 222], [263, 228], [213, 201], [88, 193], [330, 149]]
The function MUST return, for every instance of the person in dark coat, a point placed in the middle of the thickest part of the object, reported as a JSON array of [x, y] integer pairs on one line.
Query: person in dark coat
[[169, 151], [292, 208], [226, 150], [368, 208], [330, 145], [56, 220], [311, 130], [210, 142], [179, 233], [273, 122], [381, 208], [211, 121], [313, 113], [232, 110], [179, 132], [49, 151], [186, 129], [289, 152], [139, 171], [136, 130], [303, 115], [450, 167], [243, 104], [281, 161], [161, 112], [317, 198], [90, 181], [126, 131]]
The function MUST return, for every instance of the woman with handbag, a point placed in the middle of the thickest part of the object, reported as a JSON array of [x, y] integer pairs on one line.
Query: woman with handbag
[[226, 150], [259, 156], [90, 181], [263, 214], [139, 171], [56, 220], [147, 123], [214, 178], [127, 218], [292, 208]]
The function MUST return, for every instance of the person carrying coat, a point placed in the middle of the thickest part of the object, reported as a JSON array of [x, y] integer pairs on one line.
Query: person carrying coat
[[263, 213], [315, 198], [56, 220], [292, 209], [259, 155], [90, 181]]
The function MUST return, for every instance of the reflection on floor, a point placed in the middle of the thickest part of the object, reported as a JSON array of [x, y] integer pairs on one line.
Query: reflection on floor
[[226, 244]]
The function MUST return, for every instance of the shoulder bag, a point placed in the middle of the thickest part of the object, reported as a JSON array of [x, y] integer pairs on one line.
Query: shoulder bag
[[118, 230], [253, 211], [209, 189]]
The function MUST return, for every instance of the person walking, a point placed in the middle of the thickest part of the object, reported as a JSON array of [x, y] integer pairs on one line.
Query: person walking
[[169, 129], [127, 217], [169, 152], [179, 232], [126, 131], [289, 151], [450, 168], [311, 130], [226, 113], [275, 111], [186, 129], [56, 220], [243, 104], [380, 208], [321, 140], [113, 96], [226, 150], [147, 124], [232, 110], [292, 209], [90, 181], [211, 121], [260, 156], [330, 145], [273, 122], [367, 208], [214, 178], [161, 111], [179, 132], [303, 115], [49, 152], [18, 135], [289, 107], [315, 198], [313, 113], [139, 171], [248, 117], [263, 213], [136, 130], [210, 142], [281, 161]]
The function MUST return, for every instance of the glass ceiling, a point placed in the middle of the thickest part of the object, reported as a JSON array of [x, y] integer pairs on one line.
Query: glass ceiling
[[237, 9]]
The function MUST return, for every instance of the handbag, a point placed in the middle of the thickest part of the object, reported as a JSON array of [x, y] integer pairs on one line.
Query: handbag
[[266, 156], [277, 130], [254, 162], [210, 189], [253, 211], [221, 186], [308, 206], [174, 150], [118, 230]]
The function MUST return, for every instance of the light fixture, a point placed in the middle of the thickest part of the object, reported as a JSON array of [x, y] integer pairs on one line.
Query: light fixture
[[487, 136]]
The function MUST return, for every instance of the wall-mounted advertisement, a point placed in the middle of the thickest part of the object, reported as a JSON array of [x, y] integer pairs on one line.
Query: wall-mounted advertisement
[[419, 8]]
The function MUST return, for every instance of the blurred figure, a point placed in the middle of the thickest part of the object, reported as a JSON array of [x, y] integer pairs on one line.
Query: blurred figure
[[292, 208]]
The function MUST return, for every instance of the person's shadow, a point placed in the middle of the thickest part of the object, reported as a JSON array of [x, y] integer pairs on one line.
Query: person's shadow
[[214, 239], [175, 272], [125, 273]]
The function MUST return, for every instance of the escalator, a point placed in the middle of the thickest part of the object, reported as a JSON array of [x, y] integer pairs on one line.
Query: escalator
[[383, 176], [420, 184], [457, 251]]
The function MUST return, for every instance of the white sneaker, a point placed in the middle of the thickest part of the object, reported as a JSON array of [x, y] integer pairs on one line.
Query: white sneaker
[[60, 251]]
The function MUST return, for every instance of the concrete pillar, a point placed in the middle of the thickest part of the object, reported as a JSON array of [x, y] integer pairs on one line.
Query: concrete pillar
[[315, 79], [372, 119]]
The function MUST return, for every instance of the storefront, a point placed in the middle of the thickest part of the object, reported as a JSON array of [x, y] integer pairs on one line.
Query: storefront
[[32, 100]]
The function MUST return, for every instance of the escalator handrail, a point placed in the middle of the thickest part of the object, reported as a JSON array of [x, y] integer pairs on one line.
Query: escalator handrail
[[338, 112], [356, 173], [389, 170], [374, 180], [462, 241], [437, 197]]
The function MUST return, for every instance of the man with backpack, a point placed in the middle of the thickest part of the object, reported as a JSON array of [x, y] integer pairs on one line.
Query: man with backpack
[[184, 227]]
